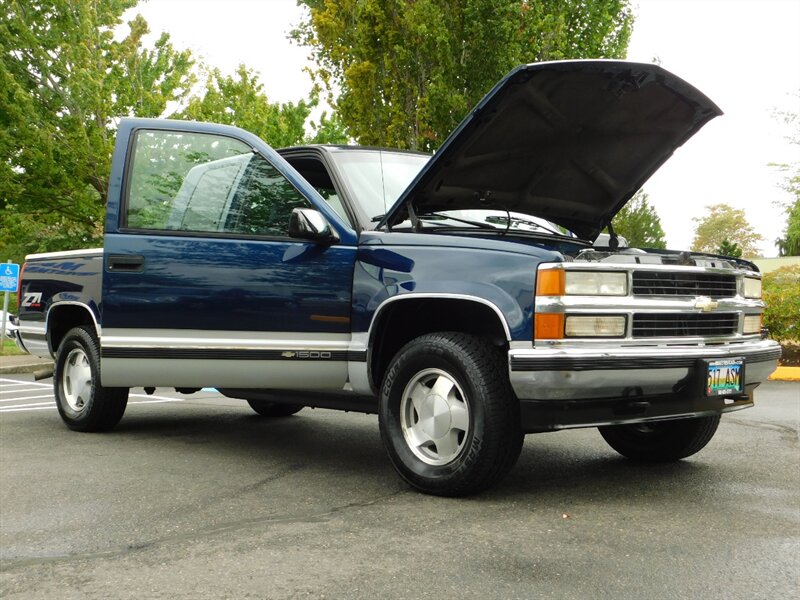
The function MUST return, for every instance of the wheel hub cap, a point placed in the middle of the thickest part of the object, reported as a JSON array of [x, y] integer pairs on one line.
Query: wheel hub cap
[[434, 417], [76, 380]]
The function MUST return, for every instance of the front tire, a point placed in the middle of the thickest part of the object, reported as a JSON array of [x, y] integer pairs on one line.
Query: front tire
[[448, 417], [85, 405], [661, 441]]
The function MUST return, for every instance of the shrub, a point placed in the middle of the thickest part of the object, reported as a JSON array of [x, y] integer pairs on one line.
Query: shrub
[[782, 295]]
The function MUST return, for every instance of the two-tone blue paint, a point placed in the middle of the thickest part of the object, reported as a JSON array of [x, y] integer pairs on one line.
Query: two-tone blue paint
[[224, 282], [500, 273], [67, 282], [194, 282]]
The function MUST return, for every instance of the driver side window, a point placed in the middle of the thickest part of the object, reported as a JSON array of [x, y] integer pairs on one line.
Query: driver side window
[[205, 183]]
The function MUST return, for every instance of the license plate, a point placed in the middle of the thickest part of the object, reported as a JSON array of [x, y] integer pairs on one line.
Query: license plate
[[724, 377]]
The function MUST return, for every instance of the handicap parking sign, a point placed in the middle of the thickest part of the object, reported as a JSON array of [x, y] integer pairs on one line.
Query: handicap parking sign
[[9, 277]]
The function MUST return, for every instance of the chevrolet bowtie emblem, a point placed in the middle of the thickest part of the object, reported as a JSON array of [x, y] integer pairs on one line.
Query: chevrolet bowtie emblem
[[706, 304], [288, 354]]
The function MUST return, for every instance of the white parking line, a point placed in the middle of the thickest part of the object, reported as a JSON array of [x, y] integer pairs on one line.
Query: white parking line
[[11, 382], [5, 387], [17, 399], [154, 397], [50, 407], [27, 405], [164, 401]]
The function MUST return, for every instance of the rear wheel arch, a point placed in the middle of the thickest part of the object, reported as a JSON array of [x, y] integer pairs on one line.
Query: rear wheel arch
[[400, 320], [64, 316]]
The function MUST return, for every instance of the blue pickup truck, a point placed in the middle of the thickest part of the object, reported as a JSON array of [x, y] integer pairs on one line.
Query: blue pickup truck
[[462, 297]]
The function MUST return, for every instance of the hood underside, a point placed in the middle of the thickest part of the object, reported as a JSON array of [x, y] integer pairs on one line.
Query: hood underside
[[570, 142]]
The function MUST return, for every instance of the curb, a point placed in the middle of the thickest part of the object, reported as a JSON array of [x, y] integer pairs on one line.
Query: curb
[[24, 368], [786, 374]]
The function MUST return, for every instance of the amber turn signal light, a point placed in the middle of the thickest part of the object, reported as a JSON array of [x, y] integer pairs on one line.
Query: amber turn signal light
[[550, 282], [548, 326]]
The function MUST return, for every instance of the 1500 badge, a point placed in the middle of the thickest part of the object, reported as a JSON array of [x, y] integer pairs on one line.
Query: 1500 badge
[[313, 354]]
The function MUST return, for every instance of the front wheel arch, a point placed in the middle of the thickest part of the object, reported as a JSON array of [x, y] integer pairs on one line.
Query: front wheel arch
[[401, 319]]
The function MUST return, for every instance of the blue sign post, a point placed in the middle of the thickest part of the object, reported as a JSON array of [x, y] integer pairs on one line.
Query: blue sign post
[[9, 278]]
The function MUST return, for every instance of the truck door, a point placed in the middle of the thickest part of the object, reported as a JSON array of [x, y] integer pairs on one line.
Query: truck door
[[203, 286]]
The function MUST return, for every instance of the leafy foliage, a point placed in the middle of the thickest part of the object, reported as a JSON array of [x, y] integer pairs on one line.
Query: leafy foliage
[[725, 223], [240, 100], [781, 290], [639, 223], [789, 244], [729, 248], [407, 71], [65, 81]]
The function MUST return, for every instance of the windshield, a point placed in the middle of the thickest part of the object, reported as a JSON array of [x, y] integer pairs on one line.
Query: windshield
[[378, 177]]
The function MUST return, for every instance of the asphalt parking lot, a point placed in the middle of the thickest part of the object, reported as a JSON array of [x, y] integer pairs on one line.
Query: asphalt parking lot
[[196, 496]]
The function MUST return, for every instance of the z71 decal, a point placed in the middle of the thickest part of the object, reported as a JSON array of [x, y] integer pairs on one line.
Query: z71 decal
[[32, 300]]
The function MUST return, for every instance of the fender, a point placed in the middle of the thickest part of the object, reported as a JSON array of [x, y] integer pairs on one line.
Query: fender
[[56, 305], [438, 295]]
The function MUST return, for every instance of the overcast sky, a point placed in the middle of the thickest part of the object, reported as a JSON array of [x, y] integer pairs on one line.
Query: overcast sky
[[744, 54]]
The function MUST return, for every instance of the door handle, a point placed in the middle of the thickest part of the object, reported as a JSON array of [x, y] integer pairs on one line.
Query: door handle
[[125, 263]]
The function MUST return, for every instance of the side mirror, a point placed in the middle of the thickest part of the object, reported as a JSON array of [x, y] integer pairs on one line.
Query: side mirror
[[309, 224]]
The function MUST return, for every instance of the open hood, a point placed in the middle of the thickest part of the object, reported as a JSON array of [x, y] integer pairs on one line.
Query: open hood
[[567, 141]]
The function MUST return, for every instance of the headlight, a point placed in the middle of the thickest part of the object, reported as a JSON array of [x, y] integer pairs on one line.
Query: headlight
[[558, 282], [594, 283], [752, 324], [752, 287], [594, 326]]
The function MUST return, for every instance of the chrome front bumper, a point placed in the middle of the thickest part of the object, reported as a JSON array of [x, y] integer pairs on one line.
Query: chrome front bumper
[[581, 387]]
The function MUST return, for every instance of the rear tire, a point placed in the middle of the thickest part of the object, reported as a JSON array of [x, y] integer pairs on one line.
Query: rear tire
[[274, 409], [448, 416], [85, 405], [661, 441]]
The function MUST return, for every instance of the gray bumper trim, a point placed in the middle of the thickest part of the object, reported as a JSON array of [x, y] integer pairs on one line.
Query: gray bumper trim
[[600, 362], [608, 372]]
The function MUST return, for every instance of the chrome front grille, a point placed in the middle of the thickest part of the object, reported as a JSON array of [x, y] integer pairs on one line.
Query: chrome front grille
[[672, 283], [647, 325]]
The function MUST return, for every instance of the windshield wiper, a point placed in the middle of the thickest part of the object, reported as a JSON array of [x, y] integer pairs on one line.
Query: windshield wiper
[[480, 224], [519, 220]]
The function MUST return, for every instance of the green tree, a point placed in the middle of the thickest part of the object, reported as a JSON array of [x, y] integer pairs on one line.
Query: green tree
[[64, 82], [639, 223], [240, 100], [405, 72], [782, 297], [729, 248], [789, 243], [724, 223]]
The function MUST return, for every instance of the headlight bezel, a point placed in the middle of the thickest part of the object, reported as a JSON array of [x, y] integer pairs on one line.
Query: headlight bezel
[[579, 282]]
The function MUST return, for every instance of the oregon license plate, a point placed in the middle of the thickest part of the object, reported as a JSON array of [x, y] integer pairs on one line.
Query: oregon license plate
[[724, 377]]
